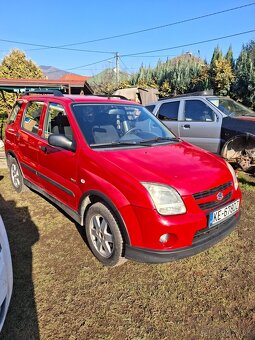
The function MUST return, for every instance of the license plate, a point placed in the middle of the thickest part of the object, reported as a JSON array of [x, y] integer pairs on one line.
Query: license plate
[[224, 213]]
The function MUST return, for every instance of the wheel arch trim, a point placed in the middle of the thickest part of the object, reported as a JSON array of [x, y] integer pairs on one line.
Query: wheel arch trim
[[95, 195]]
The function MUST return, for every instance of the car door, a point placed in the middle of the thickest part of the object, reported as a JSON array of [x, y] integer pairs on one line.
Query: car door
[[58, 167], [27, 138], [168, 112], [200, 125]]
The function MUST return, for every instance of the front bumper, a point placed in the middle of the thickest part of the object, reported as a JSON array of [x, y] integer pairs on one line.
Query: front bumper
[[204, 239]]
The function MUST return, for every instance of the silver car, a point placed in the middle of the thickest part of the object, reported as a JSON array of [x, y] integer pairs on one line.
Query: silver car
[[217, 124]]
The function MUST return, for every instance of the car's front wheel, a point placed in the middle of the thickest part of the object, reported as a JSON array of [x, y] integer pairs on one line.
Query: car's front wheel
[[103, 235]]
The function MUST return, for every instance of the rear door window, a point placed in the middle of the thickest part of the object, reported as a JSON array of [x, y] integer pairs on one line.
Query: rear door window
[[32, 115], [169, 111], [150, 107], [14, 112]]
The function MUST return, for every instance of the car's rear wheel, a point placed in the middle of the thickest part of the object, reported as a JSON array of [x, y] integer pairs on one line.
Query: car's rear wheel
[[16, 175], [103, 235]]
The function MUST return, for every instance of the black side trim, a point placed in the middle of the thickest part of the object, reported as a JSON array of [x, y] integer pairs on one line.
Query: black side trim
[[199, 245], [73, 214], [47, 179], [28, 167]]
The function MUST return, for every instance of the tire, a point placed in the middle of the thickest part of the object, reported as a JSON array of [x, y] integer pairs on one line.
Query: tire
[[103, 235], [16, 175]]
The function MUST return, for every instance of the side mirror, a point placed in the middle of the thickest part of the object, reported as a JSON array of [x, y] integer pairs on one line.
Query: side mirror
[[62, 142]]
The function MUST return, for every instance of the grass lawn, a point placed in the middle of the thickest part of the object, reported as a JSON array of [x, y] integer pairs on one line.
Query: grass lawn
[[62, 292]]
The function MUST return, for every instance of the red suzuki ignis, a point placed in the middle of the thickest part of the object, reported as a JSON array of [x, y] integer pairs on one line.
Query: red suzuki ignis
[[140, 192]]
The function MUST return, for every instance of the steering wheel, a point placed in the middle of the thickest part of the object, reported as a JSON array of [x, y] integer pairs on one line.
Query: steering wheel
[[131, 131]]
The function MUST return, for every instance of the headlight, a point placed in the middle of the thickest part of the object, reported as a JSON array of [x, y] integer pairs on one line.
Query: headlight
[[233, 175], [166, 199]]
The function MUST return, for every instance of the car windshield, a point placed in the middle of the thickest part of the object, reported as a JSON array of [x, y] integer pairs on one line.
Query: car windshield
[[113, 125], [230, 107]]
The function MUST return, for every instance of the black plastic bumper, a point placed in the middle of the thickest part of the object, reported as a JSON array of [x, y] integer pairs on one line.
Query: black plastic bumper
[[203, 240]]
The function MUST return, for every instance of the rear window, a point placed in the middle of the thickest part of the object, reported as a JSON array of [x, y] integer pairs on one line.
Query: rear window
[[150, 107], [14, 112], [32, 116], [169, 111]]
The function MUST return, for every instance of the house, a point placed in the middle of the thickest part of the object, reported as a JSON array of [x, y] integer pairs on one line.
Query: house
[[69, 84]]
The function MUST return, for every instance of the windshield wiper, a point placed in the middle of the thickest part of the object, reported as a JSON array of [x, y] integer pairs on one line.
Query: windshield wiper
[[159, 139], [119, 143], [145, 142]]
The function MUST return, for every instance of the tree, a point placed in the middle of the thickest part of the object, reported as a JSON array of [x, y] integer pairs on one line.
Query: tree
[[165, 89], [224, 76], [229, 56], [217, 55], [244, 86], [17, 66]]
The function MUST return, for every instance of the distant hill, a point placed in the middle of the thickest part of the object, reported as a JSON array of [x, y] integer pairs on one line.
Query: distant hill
[[52, 72]]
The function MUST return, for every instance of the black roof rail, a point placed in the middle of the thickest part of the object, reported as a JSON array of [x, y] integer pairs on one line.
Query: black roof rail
[[56, 93], [198, 93], [109, 96]]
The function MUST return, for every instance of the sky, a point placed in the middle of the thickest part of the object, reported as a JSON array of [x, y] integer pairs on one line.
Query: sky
[[89, 28]]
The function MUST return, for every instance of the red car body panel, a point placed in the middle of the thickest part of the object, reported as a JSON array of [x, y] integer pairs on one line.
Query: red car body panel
[[116, 176]]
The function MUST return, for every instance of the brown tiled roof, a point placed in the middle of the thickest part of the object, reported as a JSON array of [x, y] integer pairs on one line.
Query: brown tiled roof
[[73, 77]]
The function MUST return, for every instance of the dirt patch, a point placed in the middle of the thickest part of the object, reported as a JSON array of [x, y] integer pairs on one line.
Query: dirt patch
[[62, 292]]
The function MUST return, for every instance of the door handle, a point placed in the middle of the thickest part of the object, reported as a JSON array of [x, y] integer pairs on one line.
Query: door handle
[[186, 126], [43, 148]]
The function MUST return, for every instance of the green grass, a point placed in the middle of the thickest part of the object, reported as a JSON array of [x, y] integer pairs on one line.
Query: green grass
[[62, 292], [247, 181]]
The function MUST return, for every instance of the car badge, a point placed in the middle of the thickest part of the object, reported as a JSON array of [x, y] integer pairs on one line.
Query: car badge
[[220, 196]]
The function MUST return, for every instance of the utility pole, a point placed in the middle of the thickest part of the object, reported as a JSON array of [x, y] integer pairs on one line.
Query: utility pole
[[117, 69]]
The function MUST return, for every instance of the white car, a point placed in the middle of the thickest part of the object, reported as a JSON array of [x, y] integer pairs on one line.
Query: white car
[[6, 276]]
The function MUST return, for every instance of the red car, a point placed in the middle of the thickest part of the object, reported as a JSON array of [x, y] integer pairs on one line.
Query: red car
[[140, 192]]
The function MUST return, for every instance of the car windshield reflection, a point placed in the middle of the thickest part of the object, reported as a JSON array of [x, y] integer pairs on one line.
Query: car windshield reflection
[[108, 125], [230, 107]]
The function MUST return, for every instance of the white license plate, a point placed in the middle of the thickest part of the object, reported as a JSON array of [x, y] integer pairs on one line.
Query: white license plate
[[224, 213]]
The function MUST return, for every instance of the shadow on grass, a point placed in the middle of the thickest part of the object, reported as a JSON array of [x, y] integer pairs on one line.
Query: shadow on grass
[[246, 181], [21, 321]]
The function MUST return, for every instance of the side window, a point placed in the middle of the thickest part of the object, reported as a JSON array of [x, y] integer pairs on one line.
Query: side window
[[14, 112], [169, 111], [150, 107], [32, 116], [196, 110], [57, 122]]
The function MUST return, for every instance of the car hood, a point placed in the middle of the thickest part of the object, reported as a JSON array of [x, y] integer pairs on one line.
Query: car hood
[[231, 126], [183, 166]]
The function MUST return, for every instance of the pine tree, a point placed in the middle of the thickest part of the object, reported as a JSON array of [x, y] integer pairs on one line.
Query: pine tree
[[244, 87], [230, 58]]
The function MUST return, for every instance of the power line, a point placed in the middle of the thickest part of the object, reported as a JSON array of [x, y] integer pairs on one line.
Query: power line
[[154, 56], [163, 49], [186, 45], [54, 47], [155, 27], [65, 47], [77, 67]]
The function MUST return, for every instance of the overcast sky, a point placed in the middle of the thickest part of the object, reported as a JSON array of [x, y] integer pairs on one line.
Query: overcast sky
[[57, 23]]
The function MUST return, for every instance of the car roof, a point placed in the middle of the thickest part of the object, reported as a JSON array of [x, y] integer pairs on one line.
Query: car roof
[[76, 98], [180, 97]]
